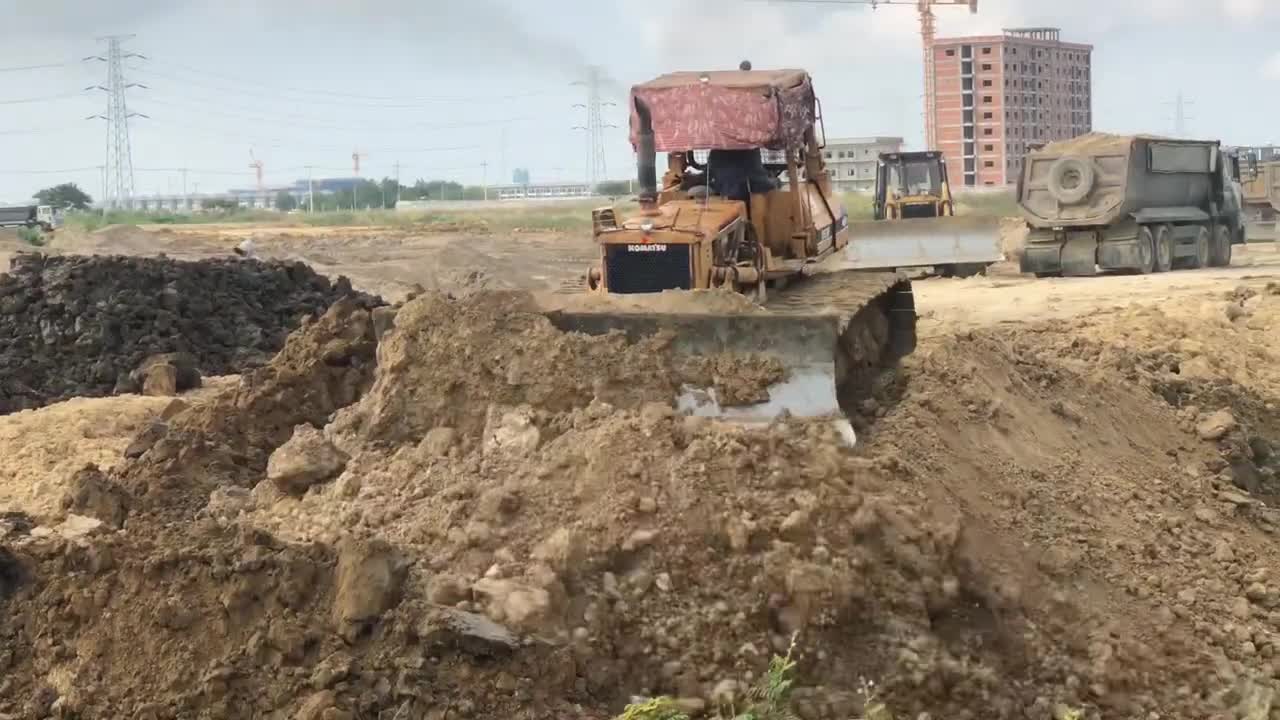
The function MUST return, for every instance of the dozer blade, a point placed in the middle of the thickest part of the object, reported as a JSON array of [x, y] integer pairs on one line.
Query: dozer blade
[[1261, 231], [806, 347], [923, 242]]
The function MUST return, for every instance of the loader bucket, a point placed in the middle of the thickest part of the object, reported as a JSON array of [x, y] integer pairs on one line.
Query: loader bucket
[[1261, 231], [923, 242], [806, 347]]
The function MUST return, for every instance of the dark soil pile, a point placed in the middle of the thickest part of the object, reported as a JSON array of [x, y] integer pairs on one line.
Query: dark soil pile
[[77, 326]]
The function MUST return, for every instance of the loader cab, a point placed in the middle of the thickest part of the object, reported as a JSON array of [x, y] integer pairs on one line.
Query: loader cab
[[912, 185]]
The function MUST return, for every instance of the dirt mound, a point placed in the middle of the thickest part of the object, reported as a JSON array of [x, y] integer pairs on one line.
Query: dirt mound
[[43, 448], [522, 527], [77, 326]]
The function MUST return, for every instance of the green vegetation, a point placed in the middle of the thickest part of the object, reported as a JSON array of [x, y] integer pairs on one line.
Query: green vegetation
[[561, 216], [769, 699], [568, 216], [981, 204], [988, 204], [31, 236], [65, 196]]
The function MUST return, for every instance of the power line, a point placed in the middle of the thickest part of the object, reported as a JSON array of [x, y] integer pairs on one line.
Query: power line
[[45, 98], [22, 68], [65, 171], [300, 121], [41, 131], [301, 97], [276, 90]]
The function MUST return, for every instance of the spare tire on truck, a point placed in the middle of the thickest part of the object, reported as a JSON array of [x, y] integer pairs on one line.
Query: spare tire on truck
[[1070, 179]]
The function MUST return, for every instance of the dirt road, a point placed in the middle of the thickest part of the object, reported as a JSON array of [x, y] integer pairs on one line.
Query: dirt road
[[1005, 297], [392, 261]]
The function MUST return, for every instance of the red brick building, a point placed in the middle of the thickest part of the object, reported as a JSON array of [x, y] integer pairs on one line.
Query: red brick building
[[997, 97]]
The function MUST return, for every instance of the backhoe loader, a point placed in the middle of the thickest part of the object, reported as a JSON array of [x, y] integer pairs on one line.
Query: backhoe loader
[[916, 223], [746, 205]]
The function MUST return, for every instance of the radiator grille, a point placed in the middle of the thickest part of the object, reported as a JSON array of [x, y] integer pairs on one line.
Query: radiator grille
[[631, 270], [919, 211]]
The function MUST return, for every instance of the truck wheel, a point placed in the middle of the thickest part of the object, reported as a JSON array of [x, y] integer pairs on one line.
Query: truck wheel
[[1220, 249], [1146, 251], [1164, 248], [1071, 179], [1203, 255]]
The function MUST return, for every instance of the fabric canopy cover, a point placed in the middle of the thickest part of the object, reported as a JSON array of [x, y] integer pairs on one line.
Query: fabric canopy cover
[[740, 110]]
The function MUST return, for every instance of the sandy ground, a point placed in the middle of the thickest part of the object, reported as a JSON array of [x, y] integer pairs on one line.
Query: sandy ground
[[1007, 297], [382, 260], [392, 261]]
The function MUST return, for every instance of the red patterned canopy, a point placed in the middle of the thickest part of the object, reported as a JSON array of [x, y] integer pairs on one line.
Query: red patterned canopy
[[733, 110]]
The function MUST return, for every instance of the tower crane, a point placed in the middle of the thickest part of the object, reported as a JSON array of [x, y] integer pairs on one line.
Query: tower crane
[[256, 166], [928, 31]]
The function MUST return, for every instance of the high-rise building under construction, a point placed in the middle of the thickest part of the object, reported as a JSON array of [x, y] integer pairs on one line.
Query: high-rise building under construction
[[998, 97]]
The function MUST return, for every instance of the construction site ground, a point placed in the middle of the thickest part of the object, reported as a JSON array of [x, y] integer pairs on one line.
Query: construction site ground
[[1066, 500]]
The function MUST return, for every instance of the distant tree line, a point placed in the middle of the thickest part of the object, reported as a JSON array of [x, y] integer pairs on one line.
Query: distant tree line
[[367, 194]]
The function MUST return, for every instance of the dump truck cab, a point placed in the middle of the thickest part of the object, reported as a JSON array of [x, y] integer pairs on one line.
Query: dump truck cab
[[912, 185], [1261, 190], [745, 201]]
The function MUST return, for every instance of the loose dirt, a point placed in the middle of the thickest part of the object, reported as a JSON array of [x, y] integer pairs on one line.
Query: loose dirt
[[1056, 505], [44, 448]]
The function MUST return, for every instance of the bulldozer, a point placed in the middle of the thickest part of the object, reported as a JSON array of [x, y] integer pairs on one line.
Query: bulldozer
[[916, 223], [746, 205]]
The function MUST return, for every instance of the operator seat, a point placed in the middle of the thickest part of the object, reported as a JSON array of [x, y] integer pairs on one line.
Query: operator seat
[[738, 174]]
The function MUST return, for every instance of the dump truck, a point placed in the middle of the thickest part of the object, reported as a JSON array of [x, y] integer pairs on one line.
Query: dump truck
[[32, 216], [1262, 202], [916, 223], [1133, 203], [746, 205]]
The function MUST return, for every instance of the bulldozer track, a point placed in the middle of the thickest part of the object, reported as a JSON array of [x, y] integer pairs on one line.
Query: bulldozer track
[[843, 293]]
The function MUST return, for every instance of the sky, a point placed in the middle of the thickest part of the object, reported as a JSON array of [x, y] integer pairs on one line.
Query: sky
[[470, 91]]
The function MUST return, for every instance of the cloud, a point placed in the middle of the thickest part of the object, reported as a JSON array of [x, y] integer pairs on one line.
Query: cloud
[[468, 34], [1244, 9], [1271, 68]]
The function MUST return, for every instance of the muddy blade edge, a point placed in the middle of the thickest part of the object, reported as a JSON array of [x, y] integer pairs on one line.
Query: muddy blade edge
[[923, 242], [805, 346]]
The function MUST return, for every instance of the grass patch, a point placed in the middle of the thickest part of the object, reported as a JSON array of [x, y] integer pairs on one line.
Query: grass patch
[[861, 206], [31, 236], [567, 216], [552, 217], [988, 204]]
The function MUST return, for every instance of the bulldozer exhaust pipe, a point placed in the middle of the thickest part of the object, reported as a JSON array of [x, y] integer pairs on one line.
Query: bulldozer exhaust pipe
[[647, 156]]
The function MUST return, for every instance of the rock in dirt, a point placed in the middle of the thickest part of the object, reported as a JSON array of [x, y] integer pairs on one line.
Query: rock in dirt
[[439, 441], [1216, 426], [92, 494], [511, 430], [447, 589], [180, 367], [370, 576], [161, 380], [146, 439], [317, 705], [307, 459], [520, 606], [446, 629]]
